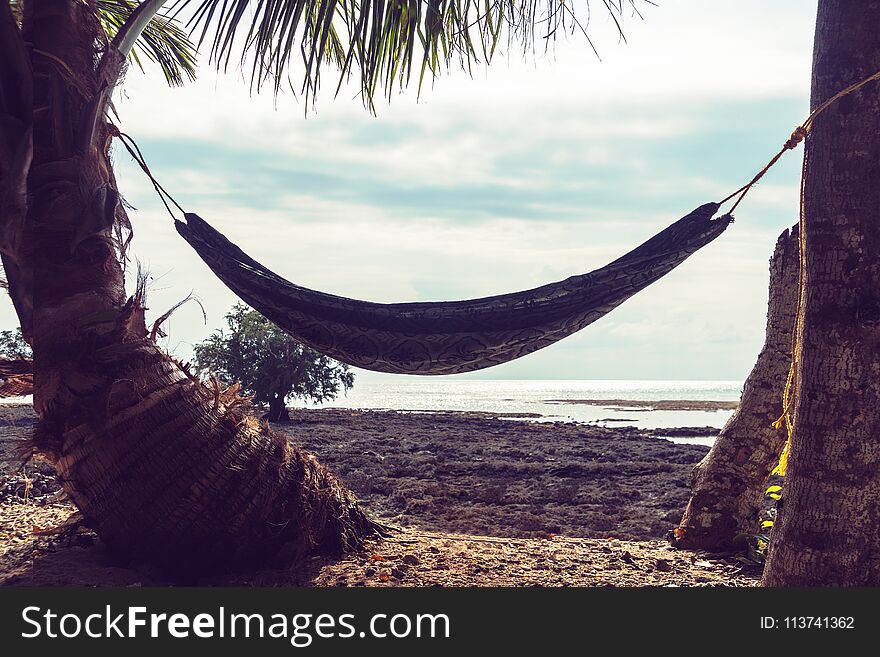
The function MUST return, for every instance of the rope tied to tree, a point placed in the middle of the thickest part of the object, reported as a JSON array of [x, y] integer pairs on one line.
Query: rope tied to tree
[[136, 154], [798, 135]]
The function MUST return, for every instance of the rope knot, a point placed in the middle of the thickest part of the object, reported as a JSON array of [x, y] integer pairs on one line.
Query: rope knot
[[796, 138]]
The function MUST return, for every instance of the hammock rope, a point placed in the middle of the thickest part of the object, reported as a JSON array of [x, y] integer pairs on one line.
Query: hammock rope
[[461, 336], [797, 136], [135, 152]]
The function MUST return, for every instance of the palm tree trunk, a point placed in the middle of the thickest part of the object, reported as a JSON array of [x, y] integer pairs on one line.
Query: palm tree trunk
[[728, 484], [164, 468], [829, 527], [16, 150]]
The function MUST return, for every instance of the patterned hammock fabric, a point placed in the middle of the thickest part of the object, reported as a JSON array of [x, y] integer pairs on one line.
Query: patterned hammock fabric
[[448, 337]]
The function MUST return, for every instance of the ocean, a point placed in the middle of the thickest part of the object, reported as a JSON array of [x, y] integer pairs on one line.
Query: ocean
[[534, 396]]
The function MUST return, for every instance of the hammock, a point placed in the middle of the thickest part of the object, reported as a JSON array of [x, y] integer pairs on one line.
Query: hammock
[[448, 337], [460, 336]]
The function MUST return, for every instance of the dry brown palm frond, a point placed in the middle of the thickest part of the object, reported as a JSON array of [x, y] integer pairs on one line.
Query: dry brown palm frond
[[157, 331], [17, 377]]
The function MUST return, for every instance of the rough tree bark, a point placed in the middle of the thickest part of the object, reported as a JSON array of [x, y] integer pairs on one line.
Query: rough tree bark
[[163, 467], [828, 532], [16, 149], [728, 484]]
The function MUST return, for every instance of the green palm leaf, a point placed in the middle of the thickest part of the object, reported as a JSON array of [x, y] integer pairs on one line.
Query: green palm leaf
[[163, 42], [379, 43]]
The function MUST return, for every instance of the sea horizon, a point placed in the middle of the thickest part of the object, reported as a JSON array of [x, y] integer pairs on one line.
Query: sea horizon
[[548, 400], [541, 400]]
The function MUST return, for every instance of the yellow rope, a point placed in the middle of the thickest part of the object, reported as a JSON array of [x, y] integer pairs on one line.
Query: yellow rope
[[840, 94], [797, 136], [788, 397]]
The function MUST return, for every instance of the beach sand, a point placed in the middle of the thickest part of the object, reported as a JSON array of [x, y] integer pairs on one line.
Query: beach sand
[[478, 500]]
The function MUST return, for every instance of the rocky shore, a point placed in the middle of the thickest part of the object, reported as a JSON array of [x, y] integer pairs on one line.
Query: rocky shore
[[480, 500]]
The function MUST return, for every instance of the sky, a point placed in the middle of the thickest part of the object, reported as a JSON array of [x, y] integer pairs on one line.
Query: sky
[[531, 170]]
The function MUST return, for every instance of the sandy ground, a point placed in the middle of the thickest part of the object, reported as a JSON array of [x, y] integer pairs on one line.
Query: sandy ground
[[479, 500]]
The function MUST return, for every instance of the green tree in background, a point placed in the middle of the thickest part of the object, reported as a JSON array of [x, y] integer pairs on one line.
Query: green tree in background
[[13, 345], [271, 366]]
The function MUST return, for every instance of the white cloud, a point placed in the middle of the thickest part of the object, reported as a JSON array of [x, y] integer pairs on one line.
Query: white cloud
[[513, 127], [682, 54]]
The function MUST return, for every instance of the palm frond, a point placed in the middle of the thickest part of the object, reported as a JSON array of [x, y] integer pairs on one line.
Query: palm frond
[[163, 42], [378, 42]]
